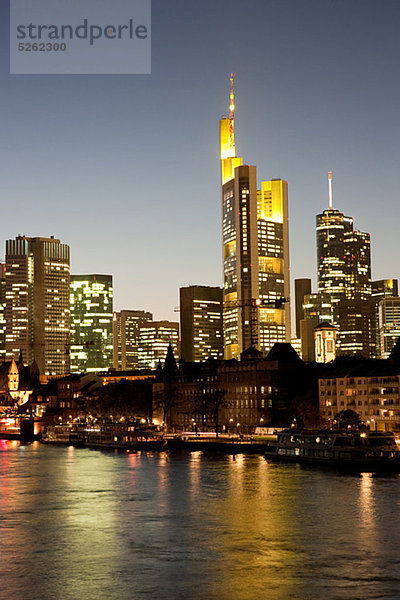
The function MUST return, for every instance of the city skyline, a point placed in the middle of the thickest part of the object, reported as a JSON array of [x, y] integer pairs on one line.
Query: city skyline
[[92, 151]]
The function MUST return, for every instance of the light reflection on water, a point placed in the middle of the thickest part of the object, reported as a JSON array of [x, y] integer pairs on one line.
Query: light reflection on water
[[77, 523]]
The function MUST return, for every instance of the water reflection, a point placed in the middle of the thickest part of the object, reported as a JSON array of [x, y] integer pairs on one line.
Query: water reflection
[[76, 523]]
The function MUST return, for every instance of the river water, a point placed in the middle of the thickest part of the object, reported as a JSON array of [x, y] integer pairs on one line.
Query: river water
[[84, 524]]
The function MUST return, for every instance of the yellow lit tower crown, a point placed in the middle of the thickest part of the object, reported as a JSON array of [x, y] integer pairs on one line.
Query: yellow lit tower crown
[[229, 160]]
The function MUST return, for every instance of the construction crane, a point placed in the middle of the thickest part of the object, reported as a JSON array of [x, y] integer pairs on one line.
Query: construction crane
[[254, 304]]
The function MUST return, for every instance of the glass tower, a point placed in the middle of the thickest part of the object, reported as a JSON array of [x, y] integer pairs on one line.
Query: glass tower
[[344, 280], [91, 323], [255, 251]]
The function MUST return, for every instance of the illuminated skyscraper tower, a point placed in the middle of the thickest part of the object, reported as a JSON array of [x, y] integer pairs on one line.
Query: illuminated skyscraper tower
[[344, 278], [37, 303], [255, 250], [91, 323]]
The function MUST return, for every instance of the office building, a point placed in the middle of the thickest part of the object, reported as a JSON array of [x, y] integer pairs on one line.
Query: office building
[[255, 252], [302, 288], [91, 323], [126, 337], [37, 303], [344, 279], [388, 324], [2, 312], [154, 339], [382, 288], [201, 323]]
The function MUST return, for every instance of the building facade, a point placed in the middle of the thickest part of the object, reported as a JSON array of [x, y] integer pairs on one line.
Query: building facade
[[2, 312], [382, 288], [126, 337], [201, 313], [37, 303], [91, 303], [388, 325], [375, 398], [255, 252], [154, 339]]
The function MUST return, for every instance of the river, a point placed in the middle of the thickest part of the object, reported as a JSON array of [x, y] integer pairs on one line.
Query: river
[[85, 524]]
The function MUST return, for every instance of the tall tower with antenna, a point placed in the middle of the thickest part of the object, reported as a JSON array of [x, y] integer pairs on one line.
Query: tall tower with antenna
[[255, 250], [344, 277]]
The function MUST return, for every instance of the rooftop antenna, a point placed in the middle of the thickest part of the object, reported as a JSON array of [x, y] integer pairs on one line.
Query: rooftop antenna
[[330, 189], [231, 115]]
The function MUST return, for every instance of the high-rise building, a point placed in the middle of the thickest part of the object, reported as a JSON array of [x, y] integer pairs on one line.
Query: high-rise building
[[126, 337], [382, 288], [37, 303], [201, 323], [255, 251], [91, 323], [344, 279], [389, 324], [2, 312], [154, 339], [302, 287]]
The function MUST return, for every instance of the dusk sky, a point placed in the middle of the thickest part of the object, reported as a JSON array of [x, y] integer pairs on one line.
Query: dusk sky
[[125, 169]]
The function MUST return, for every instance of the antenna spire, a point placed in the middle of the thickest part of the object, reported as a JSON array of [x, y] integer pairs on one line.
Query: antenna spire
[[330, 189], [232, 100], [231, 114]]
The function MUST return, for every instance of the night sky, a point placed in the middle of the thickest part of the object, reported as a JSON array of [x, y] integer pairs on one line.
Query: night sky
[[125, 169]]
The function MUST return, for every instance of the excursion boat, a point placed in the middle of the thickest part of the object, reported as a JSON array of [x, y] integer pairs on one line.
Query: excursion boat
[[116, 436], [124, 438], [64, 435], [367, 452]]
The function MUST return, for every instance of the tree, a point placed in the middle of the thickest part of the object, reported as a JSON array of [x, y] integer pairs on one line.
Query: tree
[[346, 418], [214, 401], [128, 399]]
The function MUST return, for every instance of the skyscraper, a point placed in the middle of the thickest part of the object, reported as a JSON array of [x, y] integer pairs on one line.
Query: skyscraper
[[37, 302], [389, 324], [302, 287], [2, 312], [382, 288], [201, 323], [126, 337], [255, 251], [154, 339], [91, 323], [344, 278]]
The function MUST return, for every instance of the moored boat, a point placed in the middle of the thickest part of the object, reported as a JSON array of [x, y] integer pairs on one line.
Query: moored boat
[[355, 451]]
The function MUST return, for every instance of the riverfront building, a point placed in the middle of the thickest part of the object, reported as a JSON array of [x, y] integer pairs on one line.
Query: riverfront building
[[37, 303], [373, 393], [126, 337], [201, 323], [255, 252], [233, 396], [91, 323]]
